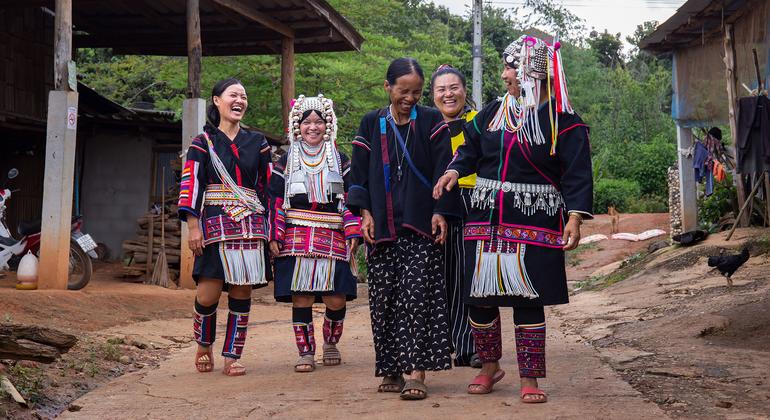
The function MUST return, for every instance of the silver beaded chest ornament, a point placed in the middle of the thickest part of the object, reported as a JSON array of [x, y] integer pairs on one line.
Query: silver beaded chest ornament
[[313, 170], [535, 60]]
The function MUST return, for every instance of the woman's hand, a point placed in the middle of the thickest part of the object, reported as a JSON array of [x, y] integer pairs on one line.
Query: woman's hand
[[194, 236], [275, 248], [438, 223], [367, 226], [571, 236], [352, 246], [445, 183]]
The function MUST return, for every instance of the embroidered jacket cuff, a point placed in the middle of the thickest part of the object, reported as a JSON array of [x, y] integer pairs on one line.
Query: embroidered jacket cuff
[[184, 211]]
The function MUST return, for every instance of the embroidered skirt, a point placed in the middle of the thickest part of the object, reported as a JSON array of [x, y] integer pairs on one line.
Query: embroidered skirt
[[286, 272], [408, 305], [538, 267], [210, 265]]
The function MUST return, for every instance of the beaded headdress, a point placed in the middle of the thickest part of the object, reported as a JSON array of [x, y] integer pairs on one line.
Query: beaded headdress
[[535, 60], [325, 108], [313, 170]]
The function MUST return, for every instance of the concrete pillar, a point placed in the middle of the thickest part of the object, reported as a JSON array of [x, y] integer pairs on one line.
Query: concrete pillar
[[193, 119], [687, 187], [57, 189]]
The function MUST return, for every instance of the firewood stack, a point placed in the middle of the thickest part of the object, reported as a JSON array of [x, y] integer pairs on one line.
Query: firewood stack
[[136, 250], [674, 201]]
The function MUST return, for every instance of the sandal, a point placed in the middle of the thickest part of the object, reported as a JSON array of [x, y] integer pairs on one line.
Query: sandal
[[332, 356], [391, 384], [482, 384], [414, 385], [233, 368], [204, 361], [529, 391], [305, 364]]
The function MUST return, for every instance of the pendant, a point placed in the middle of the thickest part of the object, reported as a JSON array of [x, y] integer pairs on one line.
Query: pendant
[[398, 173]]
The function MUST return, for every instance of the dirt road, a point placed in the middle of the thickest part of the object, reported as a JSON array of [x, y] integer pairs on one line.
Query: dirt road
[[579, 384]]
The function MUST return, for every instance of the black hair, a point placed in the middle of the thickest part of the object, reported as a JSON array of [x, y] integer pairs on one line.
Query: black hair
[[308, 112], [447, 69], [212, 113], [716, 133], [402, 67]]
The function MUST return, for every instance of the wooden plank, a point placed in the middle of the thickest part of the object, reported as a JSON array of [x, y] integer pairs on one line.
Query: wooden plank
[[767, 197], [338, 23], [257, 16], [287, 77], [62, 43], [194, 49], [732, 97]]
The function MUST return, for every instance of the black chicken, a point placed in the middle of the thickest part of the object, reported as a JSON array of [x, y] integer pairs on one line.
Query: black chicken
[[727, 264]]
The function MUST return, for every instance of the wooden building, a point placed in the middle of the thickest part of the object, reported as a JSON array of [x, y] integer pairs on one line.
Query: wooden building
[[42, 107], [711, 43]]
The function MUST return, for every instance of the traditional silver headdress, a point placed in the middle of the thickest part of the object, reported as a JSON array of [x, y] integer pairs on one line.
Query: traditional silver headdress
[[535, 60], [301, 176]]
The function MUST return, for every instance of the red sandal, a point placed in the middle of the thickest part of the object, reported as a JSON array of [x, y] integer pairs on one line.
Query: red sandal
[[204, 361], [485, 383], [233, 368], [526, 391]]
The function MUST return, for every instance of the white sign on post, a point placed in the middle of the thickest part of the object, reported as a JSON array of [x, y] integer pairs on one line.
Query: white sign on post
[[72, 118]]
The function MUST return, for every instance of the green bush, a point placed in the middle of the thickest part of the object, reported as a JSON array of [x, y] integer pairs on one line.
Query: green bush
[[712, 208], [647, 204], [614, 192]]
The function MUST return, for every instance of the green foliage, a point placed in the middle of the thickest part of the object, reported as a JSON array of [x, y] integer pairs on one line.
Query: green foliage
[[28, 381], [624, 99], [712, 208], [614, 192], [647, 204]]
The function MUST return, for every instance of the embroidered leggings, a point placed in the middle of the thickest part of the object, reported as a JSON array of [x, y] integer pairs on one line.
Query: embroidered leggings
[[530, 337]]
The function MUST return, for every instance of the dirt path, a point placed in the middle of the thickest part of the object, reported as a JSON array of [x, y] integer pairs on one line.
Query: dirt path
[[579, 385]]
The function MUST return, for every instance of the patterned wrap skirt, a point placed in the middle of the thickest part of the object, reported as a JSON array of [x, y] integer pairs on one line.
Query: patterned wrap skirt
[[408, 305]]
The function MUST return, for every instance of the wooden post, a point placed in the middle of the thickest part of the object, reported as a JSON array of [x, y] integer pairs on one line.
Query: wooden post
[[62, 44], [732, 97], [687, 188], [287, 77], [193, 119], [194, 49], [59, 160]]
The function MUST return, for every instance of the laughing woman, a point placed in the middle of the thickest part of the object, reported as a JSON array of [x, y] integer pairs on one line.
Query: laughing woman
[[398, 154], [450, 96], [224, 183], [534, 186], [313, 234]]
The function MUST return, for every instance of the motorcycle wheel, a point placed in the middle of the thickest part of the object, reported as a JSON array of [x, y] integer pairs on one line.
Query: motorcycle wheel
[[81, 268]]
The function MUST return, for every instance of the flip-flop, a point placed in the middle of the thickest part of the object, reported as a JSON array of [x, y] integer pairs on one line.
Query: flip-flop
[[532, 391], [204, 361], [414, 385], [332, 356], [391, 384], [476, 361], [306, 360], [485, 382], [234, 368]]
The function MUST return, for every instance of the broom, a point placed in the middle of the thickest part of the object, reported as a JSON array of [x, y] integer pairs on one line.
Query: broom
[[160, 271]]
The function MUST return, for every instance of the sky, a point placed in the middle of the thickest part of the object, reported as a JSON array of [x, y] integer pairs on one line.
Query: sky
[[614, 15]]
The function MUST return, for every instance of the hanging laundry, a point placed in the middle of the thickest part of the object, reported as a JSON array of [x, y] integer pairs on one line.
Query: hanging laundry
[[753, 142], [702, 162]]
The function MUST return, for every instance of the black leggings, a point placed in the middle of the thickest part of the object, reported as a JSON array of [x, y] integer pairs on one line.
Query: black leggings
[[521, 316]]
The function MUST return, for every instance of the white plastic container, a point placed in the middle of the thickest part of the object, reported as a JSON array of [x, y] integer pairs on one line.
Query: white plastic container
[[26, 275]]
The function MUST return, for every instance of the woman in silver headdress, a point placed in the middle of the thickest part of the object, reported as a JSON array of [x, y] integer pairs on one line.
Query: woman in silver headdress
[[534, 187], [313, 235]]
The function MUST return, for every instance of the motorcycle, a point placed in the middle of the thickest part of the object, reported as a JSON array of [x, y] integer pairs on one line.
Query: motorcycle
[[82, 246]]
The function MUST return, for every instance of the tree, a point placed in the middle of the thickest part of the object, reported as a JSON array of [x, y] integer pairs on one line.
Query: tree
[[607, 48]]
